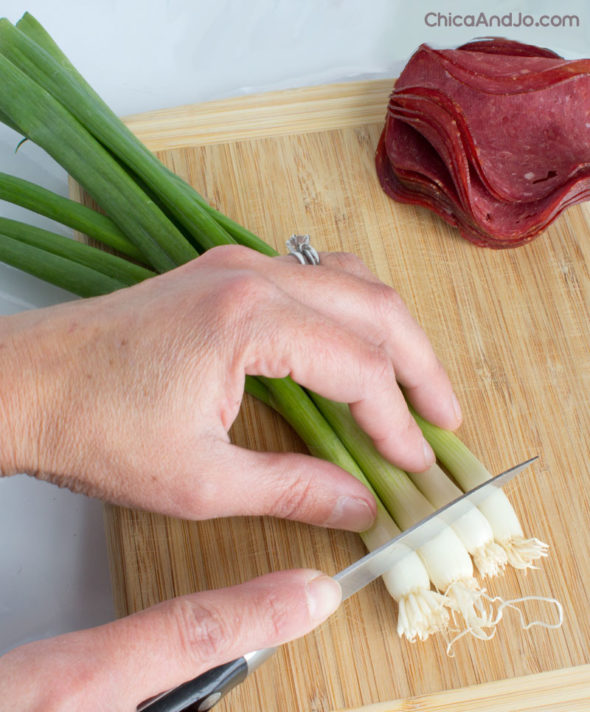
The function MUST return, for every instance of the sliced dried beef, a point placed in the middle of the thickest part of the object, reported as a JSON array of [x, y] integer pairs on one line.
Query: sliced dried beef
[[493, 136]]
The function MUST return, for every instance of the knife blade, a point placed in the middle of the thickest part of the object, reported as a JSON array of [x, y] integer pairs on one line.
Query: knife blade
[[204, 691]]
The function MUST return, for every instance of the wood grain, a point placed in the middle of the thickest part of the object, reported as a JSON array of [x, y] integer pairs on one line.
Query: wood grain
[[555, 691], [510, 326], [278, 113]]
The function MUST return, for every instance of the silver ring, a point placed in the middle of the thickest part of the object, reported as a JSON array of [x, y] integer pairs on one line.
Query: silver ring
[[300, 247]]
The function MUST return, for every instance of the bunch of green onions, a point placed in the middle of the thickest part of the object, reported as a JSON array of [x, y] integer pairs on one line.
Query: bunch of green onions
[[155, 221]]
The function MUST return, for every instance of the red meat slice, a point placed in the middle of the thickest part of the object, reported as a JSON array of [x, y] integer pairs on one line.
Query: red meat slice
[[501, 45], [489, 72], [507, 130], [417, 174], [493, 136], [445, 127]]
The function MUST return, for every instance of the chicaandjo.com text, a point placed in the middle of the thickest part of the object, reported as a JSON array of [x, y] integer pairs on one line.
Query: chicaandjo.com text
[[508, 19]]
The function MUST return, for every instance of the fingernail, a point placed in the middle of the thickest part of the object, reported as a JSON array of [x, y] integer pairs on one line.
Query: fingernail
[[323, 597], [351, 513], [456, 408], [429, 456]]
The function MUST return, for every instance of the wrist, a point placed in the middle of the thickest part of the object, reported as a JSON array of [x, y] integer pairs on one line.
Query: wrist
[[29, 386]]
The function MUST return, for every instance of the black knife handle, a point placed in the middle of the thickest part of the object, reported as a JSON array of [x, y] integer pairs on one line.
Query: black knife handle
[[201, 693]]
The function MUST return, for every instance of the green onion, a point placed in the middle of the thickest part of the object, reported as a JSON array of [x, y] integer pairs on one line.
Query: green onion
[[447, 561], [61, 80], [6, 120], [472, 528], [67, 212], [116, 268], [421, 611], [44, 120], [61, 271], [469, 472], [35, 31], [29, 26]]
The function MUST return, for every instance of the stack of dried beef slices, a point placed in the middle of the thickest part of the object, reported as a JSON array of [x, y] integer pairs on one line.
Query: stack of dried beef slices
[[493, 136]]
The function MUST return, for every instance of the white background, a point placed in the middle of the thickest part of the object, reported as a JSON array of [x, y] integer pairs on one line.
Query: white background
[[147, 54]]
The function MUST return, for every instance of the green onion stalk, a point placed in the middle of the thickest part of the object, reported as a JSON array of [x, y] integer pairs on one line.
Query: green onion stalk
[[43, 120], [469, 472], [67, 212], [42, 60]]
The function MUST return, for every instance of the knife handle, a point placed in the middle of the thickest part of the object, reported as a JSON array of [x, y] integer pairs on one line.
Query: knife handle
[[205, 691], [202, 692]]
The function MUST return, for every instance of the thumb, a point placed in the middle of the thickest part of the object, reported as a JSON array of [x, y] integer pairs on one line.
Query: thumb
[[119, 665], [279, 484]]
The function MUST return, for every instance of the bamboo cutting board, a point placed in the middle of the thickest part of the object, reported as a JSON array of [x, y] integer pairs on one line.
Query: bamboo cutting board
[[512, 329]]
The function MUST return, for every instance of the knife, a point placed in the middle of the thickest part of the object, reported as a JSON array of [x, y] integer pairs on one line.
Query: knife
[[204, 691]]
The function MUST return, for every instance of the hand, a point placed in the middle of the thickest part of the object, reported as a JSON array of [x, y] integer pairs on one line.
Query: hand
[[117, 666], [130, 396]]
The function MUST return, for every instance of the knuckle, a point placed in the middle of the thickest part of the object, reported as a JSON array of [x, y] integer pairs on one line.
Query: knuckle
[[227, 256], [240, 296], [429, 365], [197, 502], [389, 304], [346, 261], [294, 500], [438, 368], [380, 367], [426, 367], [245, 288], [204, 633], [277, 614]]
